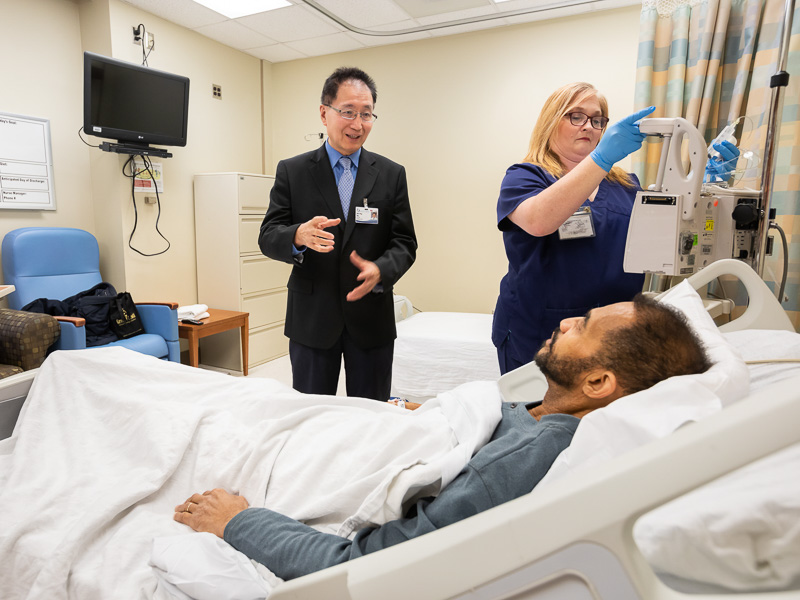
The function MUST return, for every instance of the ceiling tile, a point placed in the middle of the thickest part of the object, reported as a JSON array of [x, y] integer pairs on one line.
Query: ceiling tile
[[461, 14], [365, 14], [425, 8], [329, 44], [456, 29], [276, 53], [235, 35], [288, 24], [183, 12], [555, 13]]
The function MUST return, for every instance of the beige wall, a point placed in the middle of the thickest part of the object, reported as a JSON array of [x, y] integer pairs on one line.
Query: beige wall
[[456, 111], [48, 37], [42, 77]]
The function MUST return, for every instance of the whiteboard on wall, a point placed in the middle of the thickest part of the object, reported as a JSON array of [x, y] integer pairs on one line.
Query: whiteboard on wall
[[26, 163]]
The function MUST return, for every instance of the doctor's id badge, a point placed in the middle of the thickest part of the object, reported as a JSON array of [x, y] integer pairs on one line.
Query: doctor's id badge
[[365, 214], [579, 225]]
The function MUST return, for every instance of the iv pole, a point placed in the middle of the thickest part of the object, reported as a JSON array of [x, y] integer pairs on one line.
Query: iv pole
[[778, 83]]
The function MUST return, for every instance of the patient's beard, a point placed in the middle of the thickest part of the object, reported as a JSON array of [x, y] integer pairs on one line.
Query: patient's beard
[[562, 371]]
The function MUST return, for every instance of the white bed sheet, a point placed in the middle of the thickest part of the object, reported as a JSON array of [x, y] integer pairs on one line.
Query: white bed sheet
[[437, 351], [110, 440]]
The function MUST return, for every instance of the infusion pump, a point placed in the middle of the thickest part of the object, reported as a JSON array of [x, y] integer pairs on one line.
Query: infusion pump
[[680, 225]]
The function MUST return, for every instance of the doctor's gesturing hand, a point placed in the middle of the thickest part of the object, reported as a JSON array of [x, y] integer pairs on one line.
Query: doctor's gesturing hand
[[369, 277], [621, 139], [312, 234]]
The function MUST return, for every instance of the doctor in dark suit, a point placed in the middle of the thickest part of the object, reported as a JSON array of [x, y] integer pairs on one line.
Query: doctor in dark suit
[[341, 215]]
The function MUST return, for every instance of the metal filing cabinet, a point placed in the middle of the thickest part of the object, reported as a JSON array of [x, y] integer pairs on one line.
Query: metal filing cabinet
[[231, 271]]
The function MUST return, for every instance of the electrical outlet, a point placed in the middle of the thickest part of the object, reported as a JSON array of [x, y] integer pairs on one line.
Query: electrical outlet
[[149, 199], [216, 90], [137, 37]]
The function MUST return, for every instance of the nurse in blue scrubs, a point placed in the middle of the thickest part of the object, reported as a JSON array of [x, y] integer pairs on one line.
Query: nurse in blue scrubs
[[564, 215]]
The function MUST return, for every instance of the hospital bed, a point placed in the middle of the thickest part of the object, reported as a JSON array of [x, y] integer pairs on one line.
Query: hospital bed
[[437, 351], [572, 538]]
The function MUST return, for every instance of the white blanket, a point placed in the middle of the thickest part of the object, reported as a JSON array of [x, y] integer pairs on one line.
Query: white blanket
[[110, 441]]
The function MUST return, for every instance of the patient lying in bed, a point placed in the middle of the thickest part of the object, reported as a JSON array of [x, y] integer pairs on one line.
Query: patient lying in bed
[[589, 362]]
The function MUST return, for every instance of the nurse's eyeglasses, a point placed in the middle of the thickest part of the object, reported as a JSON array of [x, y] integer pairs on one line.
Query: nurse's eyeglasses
[[578, 119]]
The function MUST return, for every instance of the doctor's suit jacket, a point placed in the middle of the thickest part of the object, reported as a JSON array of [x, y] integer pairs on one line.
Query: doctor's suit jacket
[[317, 310]]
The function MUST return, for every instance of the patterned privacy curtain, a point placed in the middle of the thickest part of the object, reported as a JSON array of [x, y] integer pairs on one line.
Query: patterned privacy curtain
[[710, 62]]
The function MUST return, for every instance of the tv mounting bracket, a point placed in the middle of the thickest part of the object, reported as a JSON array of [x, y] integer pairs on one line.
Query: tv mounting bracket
[[135, 150]]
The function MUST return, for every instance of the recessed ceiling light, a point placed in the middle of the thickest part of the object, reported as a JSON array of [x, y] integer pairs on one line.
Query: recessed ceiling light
[[234, 9]]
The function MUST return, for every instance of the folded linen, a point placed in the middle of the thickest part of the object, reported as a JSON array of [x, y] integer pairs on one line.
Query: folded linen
[[193, 311]]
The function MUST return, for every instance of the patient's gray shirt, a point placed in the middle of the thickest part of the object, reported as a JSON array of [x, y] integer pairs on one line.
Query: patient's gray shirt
[[514, 460]]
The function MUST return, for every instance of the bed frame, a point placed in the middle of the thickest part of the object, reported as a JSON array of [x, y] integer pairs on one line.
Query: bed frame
[[13, 391]]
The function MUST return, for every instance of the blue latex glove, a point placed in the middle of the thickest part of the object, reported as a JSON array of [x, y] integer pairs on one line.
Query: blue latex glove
[[622, 138], [719, 168]]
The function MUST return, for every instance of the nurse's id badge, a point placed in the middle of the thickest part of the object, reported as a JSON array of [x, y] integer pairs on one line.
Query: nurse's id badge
[[579, 225], [366, 215]]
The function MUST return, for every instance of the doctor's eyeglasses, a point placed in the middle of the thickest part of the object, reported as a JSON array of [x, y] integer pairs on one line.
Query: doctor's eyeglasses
[[578, 119], [352, 114]]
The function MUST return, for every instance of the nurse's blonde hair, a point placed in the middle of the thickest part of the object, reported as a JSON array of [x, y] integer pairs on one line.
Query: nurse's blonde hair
[[560, 102]]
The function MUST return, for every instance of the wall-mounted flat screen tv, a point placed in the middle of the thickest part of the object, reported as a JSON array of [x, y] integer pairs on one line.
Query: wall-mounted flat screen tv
[[134, 104]]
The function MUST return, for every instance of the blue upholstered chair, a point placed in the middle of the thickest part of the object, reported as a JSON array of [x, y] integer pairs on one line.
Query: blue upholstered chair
[[59, 262]]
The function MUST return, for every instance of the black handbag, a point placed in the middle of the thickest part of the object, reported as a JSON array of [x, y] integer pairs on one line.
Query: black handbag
[[123, 316]]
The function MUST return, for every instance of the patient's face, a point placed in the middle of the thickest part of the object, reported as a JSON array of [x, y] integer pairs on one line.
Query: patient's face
[[577, 343], [563, 371]]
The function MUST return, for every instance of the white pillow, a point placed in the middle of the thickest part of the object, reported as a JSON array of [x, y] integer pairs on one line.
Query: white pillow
[[651, 414], [742, 531]]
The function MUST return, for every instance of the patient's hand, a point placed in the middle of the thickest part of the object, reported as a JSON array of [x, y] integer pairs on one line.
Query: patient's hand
[[210, 511], [404, 403]]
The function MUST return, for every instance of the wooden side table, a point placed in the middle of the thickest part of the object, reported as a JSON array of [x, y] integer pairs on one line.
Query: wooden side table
[[5, 290], [218, 321]]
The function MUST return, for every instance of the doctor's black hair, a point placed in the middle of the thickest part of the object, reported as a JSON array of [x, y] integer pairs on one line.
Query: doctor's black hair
[[343, 74], [659, 344]]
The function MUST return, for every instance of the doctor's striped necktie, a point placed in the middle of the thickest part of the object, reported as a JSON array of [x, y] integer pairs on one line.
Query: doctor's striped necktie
[[346, 184]]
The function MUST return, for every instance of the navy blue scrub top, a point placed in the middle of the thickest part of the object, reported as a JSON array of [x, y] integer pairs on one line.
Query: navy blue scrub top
[[550, 279]]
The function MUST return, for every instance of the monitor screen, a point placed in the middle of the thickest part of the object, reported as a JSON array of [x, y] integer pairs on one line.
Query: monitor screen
[[134, 104]]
